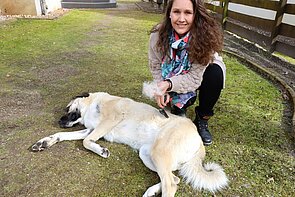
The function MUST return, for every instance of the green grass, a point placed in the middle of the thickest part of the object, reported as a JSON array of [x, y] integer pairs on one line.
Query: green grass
[[45, 63]]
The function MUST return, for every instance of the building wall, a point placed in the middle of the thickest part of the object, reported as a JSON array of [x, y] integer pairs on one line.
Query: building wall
[[53, 5], [10, 7], [27, 7]]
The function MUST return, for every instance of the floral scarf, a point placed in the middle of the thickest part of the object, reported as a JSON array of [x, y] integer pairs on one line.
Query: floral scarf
[[177, 64]]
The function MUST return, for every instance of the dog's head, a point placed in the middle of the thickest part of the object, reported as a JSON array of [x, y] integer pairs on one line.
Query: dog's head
[[73, 112]]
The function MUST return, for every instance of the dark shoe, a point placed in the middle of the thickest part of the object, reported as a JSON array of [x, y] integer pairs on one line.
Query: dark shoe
[[177, 111], [202, 126]]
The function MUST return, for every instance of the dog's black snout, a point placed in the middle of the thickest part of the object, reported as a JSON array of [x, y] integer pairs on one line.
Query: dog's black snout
[[63, 121], [66, 119]]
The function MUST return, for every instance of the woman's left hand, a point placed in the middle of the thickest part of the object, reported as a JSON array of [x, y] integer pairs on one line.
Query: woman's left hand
[[162, 100], [164, 86]]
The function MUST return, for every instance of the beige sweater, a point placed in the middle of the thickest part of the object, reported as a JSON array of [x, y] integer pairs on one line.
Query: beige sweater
[[180, 83]]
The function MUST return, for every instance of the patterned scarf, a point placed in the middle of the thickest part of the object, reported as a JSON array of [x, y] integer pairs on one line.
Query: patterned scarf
[[177, 64]]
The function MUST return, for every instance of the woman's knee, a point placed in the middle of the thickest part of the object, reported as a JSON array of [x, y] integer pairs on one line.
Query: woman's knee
[[214, 71], [213, 75]]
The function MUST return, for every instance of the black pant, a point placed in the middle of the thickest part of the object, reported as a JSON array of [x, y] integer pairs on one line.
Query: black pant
[[209, 91]]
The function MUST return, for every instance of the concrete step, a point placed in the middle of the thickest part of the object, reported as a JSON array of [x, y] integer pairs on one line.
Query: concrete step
[[87, 4], [86, 1]]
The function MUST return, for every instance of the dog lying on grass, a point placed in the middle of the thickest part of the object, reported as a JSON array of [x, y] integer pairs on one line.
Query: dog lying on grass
[[165, 144]]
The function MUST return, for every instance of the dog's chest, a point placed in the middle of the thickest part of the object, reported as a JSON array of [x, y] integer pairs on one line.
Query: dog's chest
[[91, 117]]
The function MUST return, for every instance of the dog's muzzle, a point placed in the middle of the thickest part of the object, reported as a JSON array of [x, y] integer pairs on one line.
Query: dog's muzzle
[[66, 120]]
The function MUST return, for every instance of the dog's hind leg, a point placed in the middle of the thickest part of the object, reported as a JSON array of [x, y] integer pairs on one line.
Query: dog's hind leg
[[58, 137], [145, 156], [162, 159]]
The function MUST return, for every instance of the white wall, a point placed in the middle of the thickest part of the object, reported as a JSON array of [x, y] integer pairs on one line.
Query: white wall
[[53, 5]]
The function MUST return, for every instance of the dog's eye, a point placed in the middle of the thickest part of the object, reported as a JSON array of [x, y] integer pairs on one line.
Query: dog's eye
[[74, 116], [67, 109]]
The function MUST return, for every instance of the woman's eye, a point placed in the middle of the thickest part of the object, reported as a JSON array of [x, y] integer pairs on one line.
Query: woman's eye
[[188, 12]]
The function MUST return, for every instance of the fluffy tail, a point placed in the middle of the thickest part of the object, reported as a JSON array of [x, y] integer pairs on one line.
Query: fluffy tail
[[210, 176]]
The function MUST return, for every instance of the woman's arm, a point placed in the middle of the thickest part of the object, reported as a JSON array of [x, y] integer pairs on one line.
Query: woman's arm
[[190, 81], [155, 58]]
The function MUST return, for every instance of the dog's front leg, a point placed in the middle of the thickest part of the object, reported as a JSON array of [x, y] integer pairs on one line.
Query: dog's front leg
[[58, 137], [103, 128]]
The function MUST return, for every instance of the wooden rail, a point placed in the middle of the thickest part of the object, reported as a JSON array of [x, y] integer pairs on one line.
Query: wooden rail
[[272, 34]]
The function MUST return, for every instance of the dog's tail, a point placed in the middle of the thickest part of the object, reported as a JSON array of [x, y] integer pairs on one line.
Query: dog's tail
[[210, 176]]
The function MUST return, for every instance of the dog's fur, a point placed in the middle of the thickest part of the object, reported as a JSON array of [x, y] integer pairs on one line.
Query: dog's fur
[[164, 144]]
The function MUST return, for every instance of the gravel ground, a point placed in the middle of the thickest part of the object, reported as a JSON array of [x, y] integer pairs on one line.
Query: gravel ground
[[50, 16]]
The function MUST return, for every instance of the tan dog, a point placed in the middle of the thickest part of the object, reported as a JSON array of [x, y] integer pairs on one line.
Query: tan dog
[[164, 144]]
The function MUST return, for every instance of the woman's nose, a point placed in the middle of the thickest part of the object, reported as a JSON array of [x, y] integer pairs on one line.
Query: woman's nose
[[181, 17]]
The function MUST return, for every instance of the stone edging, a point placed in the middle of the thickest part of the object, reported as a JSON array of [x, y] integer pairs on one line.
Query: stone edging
[[273, 76]]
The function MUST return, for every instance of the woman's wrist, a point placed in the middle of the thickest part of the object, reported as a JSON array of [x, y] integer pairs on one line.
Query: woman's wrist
[[170, 84]]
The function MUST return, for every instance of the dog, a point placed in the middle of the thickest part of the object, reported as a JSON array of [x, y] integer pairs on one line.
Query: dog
[[164, 144]]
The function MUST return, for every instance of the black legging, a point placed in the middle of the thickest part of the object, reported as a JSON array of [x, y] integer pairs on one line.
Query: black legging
[[209, 91]]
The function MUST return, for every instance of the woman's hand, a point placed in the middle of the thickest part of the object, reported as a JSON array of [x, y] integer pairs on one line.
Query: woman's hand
[[163, 99]]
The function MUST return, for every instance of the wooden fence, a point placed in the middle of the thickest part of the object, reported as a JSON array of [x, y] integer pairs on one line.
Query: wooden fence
[[273, 35]]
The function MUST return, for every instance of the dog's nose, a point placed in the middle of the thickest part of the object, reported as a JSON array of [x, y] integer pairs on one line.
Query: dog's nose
[[62, 122]]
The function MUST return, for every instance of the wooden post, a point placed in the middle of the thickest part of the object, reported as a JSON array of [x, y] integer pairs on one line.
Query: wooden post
[[277, 24], [165, 5], [224, 13]]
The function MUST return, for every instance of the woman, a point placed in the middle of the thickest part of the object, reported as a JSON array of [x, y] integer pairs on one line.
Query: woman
[[183, 59]]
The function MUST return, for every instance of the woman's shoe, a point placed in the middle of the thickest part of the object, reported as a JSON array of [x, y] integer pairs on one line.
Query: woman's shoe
[[202, 126]]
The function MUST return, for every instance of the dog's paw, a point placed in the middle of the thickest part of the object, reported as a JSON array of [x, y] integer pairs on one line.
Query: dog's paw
[[105, 153], [149, 194], [39, 146], [44, 143], [153, 191]]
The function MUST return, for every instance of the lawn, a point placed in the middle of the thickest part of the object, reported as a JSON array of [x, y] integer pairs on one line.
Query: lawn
[[44, 63]]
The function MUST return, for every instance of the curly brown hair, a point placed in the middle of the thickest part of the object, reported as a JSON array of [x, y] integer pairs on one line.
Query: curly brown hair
[[206, 34]]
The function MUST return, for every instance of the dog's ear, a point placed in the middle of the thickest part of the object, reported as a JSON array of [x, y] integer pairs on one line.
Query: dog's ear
[[84, 94]]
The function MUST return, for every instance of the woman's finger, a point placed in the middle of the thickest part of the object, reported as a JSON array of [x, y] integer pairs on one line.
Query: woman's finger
[[167, 99], [160, 101]]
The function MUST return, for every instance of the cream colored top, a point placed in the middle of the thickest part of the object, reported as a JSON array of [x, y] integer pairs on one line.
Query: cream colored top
[[180, 83]]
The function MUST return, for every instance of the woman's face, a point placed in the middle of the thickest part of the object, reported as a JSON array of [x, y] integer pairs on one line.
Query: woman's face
[[182, 16]]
